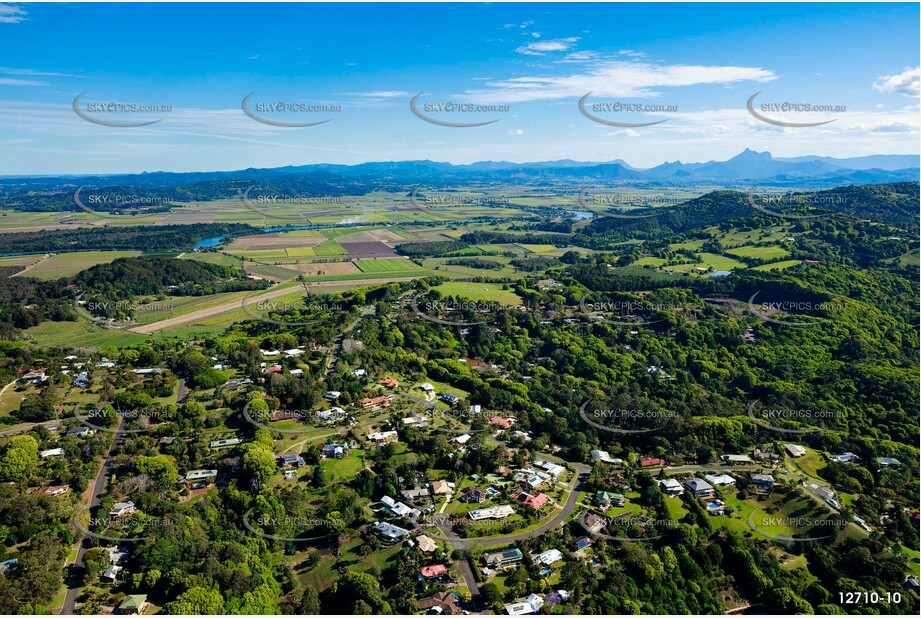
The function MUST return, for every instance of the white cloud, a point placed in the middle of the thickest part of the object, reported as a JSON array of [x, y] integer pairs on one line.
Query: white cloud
[[34, 73], [542, 48], [11, 14], [615, 78], [908, 83], [12, 81], [623, 133], [381, 94], [516, 132]]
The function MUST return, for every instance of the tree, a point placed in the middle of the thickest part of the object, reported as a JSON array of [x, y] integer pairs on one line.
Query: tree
[[259, 462], [491, 593], [196, 601], [20, 455]]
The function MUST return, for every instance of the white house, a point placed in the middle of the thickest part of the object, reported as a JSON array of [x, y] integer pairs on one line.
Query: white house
[[52, 452], [531, 605]]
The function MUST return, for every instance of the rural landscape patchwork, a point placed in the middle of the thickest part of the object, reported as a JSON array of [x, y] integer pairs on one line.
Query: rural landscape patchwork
[[459, 308]]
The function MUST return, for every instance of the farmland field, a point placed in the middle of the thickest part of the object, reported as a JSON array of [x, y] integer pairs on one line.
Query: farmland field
[[67, 264], [387, 265], [769, 252], [328, 248], [777, 265]]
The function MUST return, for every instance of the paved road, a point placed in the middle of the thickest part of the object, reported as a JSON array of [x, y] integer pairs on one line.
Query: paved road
[[449, 535], [24, 428], [76, 571], [466, 571]]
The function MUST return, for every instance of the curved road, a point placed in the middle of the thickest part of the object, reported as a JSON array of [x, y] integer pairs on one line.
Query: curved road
[[450, 536]]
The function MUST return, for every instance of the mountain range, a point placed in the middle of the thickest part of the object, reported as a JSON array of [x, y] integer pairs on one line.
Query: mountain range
[[747, 167]]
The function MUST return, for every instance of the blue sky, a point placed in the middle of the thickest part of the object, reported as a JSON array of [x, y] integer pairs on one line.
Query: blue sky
[[702, 60]]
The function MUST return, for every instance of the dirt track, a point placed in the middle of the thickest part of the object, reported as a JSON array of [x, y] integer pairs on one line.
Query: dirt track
[[234, 305]]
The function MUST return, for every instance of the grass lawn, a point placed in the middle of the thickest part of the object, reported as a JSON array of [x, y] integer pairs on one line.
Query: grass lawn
[[538, 248], [764, 252], [650, 261], [689, 245], [778, 265], [345, 468], [490, 292], [221, 259]]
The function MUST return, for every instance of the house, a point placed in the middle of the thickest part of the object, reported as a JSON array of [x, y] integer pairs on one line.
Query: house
[[270, 352], [476, 409], [594, 523], [433, 571], [79, 431], [398, 508], [133, 604], [759, 454], [551, 556], [226, 443], [503, 558], [427, 388], [535, 480], [449, 399], [462, 439], [443, 603], [737, 459], [117, 555], [284, 415], [888, 462], [33, 377], [290, 460], [441, 488], [331, 395], [846, 458], [195, 477], [106, 365], [670, 487], [82, 380], [700, 489], [496, 512], [605, 457], [52, 452], [606, 499], [719, 480], [762, 482], [389, 532], [273, 369], [554, 470], [297, 373], [426, 543], [359, 373], [334, 451], [795, 450], [647, 462], [580, 543], [56, 490], [147, 371], [535, 501], [825, 493], [531, 605], [372, 402], [111, 574], [294, 352], [333, 414], [6, 565], [502, 423], [415, 493], [383, 436], [120, 509], [388, 383], [415, 420], [476, 495]]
